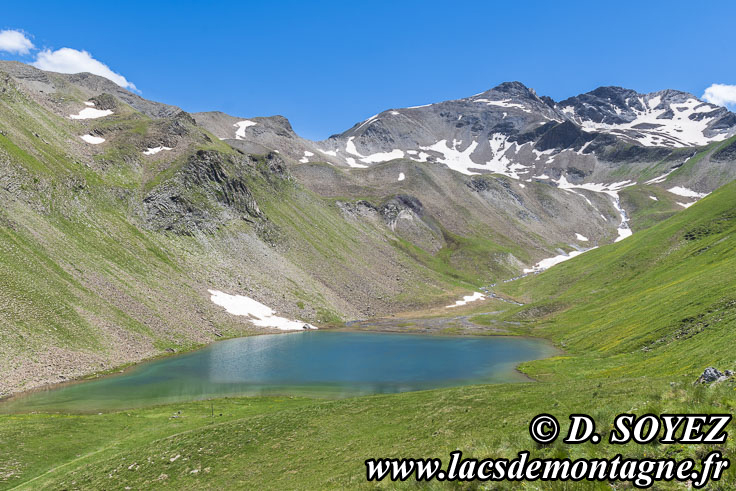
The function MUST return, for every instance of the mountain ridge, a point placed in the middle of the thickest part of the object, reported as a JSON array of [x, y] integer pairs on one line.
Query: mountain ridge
[[510, 130]]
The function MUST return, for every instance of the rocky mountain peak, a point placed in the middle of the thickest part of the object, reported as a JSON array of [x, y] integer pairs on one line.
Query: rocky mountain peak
[[667, 118], [515, 89]]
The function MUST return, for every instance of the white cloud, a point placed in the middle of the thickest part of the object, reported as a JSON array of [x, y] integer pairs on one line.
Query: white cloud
[[721, 95], [68, 60], [15, 42]]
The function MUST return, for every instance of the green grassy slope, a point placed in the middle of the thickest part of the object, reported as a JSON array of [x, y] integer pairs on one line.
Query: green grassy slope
[[271, 443], [661, 301]]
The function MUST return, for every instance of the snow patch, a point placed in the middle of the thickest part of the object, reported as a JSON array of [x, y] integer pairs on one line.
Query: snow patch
[[661, 178], [242, 125], [654, 198], [401, 176], [259, 314], [503, 103], [457, 160], [551, 261], [383, 156], [651, 127], [371, 159], [352, 163], [305, 159], [581, 238], [467, 299], [367, 121], [91, 113], [93, 140], [154, 150], [417, 156], [688, 193]]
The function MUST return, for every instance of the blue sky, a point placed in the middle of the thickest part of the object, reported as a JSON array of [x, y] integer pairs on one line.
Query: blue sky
[[328, 65]]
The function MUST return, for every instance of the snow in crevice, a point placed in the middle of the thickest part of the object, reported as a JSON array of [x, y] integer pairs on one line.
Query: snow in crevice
[[241, 126], [373, 158], [368, 121], [612, 190], [503, 103], [624, 230], [256, 312], [352, 163], [155, 150], [582, 149], [659, 179]]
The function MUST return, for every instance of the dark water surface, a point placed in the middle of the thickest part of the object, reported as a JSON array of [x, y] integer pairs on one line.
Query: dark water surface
[[310, 363]]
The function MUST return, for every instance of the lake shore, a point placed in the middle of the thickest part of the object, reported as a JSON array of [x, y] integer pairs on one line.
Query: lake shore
[[401, 324]]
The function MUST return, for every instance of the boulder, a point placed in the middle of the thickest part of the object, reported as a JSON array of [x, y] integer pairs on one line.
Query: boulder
[[710, 375]]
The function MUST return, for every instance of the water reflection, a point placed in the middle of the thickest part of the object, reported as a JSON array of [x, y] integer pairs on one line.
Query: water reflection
[[331, 363]]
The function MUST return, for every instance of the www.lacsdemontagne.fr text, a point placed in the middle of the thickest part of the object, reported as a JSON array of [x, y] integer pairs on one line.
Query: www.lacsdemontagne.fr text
[[642, 473]]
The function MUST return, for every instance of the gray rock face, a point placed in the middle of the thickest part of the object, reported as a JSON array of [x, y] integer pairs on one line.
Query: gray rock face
[[208, 190], [710, 375]]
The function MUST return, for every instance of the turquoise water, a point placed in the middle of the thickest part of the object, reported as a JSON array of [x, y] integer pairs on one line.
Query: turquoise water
[[312, 362]]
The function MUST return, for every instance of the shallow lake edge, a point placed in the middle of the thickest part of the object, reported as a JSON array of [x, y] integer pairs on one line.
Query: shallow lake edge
[[123, 369]]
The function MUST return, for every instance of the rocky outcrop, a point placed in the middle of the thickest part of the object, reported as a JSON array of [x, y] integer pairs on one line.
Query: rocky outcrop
[[393, 207], [209, 189], [726, 154], [105, 101], [712, 374]]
